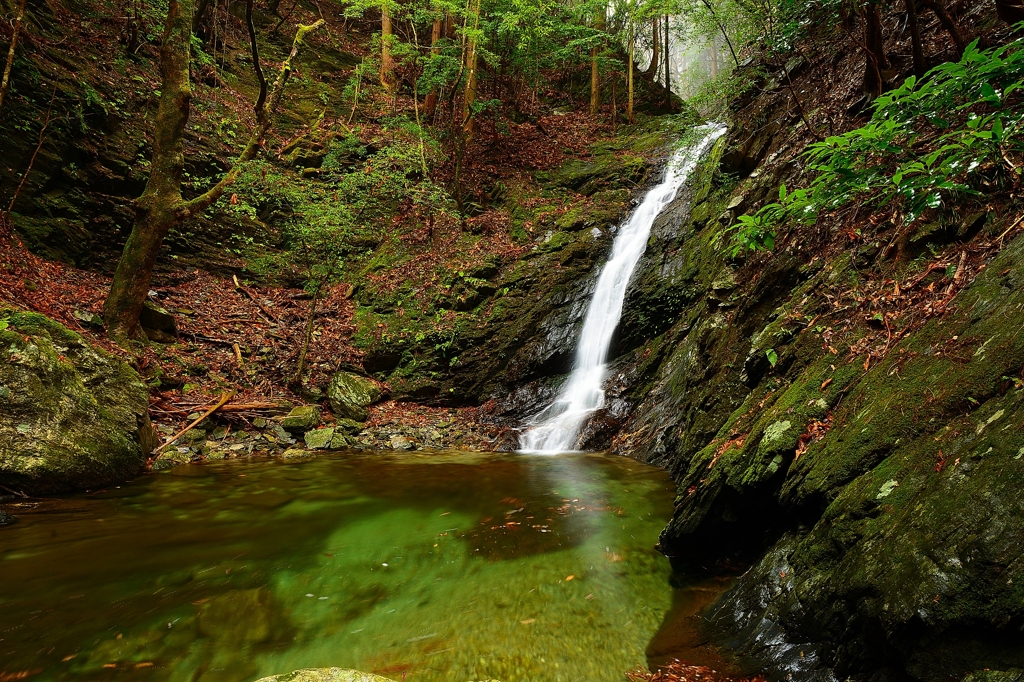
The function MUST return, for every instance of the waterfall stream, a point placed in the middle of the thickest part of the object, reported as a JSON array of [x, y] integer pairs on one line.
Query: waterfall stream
[[556, 428]]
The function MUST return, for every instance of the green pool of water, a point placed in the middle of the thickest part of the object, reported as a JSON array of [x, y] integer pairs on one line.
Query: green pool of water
[[452, 566]]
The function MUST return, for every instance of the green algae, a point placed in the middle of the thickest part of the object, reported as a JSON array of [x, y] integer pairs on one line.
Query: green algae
[[440, 566]]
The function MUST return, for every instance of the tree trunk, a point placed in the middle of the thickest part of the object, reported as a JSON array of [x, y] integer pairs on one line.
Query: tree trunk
[[6, 82], [629, 83], [668, 68], [387, 64], [651, 72], [1010, 11], [158, 207], [595, 72], [950, 25], [469, 97], [161, 205], [920, 67], [430, 104], [874, 47]]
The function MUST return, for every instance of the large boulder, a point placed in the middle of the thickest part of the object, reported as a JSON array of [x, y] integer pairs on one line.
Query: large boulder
[[325, 675], [71, 415], [349, 396]]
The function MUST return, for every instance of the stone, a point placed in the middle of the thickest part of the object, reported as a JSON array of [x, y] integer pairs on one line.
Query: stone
[[280, 436], [6, 519], [88, 319], [341, 440], [72, 416], [155, 318], [325, 675], [349, 426], [349, 395], [297, 453], [318, 439], [301, 419], [401, 443], [172, 457]]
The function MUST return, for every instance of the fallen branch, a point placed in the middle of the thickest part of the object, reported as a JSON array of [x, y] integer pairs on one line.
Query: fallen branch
[[254, 299], [224, 398]]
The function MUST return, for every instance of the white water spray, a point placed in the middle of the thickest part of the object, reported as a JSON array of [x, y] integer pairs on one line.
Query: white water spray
[[556, 428]]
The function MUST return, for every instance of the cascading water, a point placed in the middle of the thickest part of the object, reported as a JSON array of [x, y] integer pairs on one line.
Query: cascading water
[[556, 428]]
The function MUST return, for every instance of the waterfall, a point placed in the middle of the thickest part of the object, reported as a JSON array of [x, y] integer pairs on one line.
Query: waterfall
[[556, 428]]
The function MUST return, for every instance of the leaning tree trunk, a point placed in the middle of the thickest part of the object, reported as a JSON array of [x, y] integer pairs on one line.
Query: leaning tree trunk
[[161, 205], [6, 81], [157, 210], [950, 25]]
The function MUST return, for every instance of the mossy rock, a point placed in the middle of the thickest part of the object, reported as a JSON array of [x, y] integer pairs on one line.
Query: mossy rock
[[325, 675], [301, 419], [349, 396], [72, 416]]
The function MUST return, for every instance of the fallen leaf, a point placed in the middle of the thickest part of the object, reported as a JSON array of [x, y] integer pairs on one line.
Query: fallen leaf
[[569, 578]]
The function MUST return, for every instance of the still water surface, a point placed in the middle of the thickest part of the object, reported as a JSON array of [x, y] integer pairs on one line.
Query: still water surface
[[444, 566]]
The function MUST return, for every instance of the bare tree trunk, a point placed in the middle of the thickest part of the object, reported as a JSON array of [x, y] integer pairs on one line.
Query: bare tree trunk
[[469, 97], [651, 72], [629, 83], [387, 63], [595, 72], [874, 47], [161, 205], [952, 28], [920, 67], [668, 69], [430, 104], [6, 82], [1010, 11]]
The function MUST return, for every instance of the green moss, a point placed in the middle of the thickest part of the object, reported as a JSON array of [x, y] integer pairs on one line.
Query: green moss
[[71, 415]]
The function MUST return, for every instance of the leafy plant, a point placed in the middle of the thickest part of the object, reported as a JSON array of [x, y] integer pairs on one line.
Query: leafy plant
[[952, 133]]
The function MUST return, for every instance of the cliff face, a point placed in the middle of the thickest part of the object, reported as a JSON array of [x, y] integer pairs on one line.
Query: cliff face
[[843, 415]]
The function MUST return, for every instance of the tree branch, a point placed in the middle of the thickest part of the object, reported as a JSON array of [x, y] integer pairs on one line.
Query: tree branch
[[252, 147], [262, 99]]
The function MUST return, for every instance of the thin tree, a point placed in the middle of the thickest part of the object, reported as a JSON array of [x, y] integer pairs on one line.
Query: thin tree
[[469, 96], [162, 205], [6, 82], [595, 72], [387, 62], [920, 67]]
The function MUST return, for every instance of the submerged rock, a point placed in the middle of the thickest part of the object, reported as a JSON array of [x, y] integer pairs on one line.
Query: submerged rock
[[350, 395], [71, 415], [6, 519], [325, 675]]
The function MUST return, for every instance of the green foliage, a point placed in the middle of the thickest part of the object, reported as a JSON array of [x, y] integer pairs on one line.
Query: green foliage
[[342, 215], [928, 142]]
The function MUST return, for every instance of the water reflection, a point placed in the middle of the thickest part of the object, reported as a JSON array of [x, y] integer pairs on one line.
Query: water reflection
[[436, 567]]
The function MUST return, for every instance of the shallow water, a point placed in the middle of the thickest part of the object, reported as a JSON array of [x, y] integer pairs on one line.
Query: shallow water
[[452, 566]]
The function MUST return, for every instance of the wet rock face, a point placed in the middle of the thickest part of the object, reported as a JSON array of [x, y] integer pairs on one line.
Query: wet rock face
[[880, 505], [71, 416]]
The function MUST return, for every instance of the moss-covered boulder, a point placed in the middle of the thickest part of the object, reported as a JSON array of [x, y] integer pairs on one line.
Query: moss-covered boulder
[[301, 419], [349, 396], [71, 415], [325, 675]]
